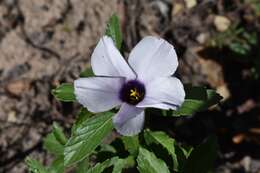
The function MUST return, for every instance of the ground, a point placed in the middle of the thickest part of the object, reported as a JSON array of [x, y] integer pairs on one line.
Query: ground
[[44, 43]]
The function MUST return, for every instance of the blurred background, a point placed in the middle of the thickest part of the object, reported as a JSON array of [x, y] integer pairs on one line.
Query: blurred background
[[46, 42]]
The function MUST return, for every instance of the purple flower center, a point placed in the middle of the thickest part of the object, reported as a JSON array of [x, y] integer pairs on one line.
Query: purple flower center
[[132, 92]]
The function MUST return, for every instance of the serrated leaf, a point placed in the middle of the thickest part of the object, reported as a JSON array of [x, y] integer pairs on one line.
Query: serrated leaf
[[149, 163], [113, 30], [34, 166], [202, 157], [131, 144], [167, 142], [64, 92], [191, 106], [87, 136], [53, 146], [100, 167], [59, 135]]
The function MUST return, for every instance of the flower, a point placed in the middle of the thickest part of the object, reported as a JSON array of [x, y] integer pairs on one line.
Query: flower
[[145, 81]]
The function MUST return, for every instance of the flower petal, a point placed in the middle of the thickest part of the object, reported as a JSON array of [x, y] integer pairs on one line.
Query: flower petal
[[106, 60], [153, 57], [98, 94], [164, 93], [129, 120]]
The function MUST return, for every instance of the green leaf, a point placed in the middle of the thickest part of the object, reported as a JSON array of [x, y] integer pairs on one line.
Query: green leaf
[[34, 166], [55, 141], [250, 37], [100, 167], [57, 165], [195, 92], [87, 136], [51, 144], [149, 163], [82, 116], [202, 157], [87, 72], [164, 140], [83, 166], [213, 98], [238, 48], [58, 133], [187, 151], [191, 106], [119, 166], [64, 92], [181, 157], [123, 163], [113, 30], [131, 144], [107, 148]]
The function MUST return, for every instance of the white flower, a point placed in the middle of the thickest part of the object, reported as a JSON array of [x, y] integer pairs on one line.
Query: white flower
[[145, 81]]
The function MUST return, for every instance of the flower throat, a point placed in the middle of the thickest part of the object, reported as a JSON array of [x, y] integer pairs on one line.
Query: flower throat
[[132, 92]]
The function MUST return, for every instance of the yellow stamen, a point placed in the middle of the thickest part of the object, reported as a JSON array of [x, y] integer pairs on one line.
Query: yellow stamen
[[134, 93]]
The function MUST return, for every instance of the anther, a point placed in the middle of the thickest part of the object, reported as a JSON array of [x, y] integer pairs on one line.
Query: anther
[[132, 92]]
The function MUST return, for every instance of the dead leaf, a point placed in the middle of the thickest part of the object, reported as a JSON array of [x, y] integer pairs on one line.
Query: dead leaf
[[221, 23], [16, 88], [11, 117], [237, 139], [246, 106], [177, 8], [190, 3]]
